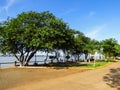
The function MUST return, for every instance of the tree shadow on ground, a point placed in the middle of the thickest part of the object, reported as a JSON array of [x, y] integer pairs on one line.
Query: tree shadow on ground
[[113, 78], [67, 65], [62, 65]]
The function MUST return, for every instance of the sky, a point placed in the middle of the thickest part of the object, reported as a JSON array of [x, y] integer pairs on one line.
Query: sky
[[97, 19]]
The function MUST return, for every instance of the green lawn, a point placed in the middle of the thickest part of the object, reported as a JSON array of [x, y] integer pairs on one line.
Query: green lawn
[[97, 64], [89, 65]]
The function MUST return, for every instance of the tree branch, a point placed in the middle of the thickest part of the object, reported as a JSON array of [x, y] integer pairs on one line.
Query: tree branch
[[31, 55], [27, 56], [16, 57]]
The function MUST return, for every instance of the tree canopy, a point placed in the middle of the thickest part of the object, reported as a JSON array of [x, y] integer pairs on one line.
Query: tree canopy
[[111, 47], [32, 31]]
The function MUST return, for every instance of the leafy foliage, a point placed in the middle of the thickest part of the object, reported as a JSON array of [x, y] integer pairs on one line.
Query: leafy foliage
[[31, 31], [110, 47]]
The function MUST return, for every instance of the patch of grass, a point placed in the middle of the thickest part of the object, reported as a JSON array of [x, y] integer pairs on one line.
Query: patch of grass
[[87, 65], [97, 64]]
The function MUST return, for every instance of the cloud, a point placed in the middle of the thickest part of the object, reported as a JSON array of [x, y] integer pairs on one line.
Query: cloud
[[4, 10], [2, 19], [92, 13], [95, 31], [115, 35], [7, 6]]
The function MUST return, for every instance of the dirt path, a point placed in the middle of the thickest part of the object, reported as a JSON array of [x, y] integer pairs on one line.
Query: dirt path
[[107, 78]]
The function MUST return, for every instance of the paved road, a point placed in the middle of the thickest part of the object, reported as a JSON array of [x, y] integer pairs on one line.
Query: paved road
[[107, 78]]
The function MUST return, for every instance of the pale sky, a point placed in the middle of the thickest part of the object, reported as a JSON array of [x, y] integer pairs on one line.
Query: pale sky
[[97, 19]]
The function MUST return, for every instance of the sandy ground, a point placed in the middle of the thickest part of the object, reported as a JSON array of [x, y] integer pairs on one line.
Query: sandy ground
[[107, 78]]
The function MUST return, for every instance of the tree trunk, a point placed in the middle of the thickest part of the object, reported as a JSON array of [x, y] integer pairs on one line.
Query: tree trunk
[[18, 58], [29, 58], [78, 57], [21, 64], [57, 56]]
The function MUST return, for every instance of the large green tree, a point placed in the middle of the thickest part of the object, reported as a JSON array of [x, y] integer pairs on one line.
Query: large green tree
[[80, 44], [30, 32], [94, 46], [110, 47]]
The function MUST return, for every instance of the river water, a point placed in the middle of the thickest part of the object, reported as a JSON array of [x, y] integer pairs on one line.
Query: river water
[[8, 61]]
